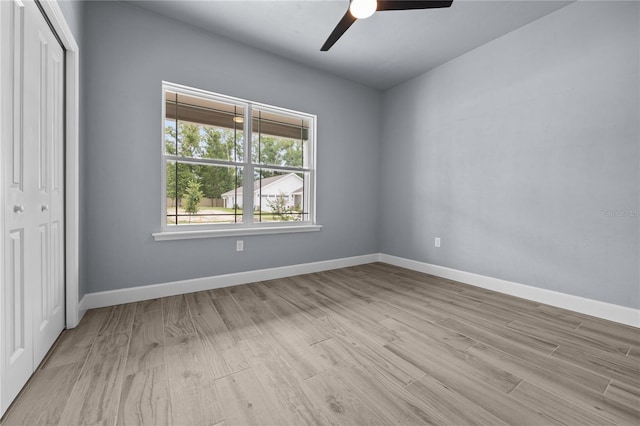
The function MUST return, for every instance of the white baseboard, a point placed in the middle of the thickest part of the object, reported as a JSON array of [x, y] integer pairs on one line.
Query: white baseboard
[[136, 294], [608, 311], [82, 309], [604, 310]]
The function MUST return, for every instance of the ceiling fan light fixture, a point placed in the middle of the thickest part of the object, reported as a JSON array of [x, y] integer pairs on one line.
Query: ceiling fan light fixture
[[359, 9], [363, 8]]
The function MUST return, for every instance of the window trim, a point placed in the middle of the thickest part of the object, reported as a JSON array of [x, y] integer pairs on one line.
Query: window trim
[[235, 232], [247, 227]]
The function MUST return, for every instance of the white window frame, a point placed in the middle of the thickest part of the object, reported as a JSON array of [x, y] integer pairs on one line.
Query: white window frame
[[248, 226]]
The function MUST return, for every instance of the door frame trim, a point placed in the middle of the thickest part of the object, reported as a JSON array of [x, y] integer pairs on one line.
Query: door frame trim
[[72, 160]]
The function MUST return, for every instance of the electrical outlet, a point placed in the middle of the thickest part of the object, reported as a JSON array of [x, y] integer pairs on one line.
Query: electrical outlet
[[239, 245], [437, 242]]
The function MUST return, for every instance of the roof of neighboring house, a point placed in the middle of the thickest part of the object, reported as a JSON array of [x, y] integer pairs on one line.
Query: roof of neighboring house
[[265, 182]]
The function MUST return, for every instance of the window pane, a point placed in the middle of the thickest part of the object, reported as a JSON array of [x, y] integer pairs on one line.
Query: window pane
[[280, 196], [202, 128], [279, 140], [201, 194], [170, 141]]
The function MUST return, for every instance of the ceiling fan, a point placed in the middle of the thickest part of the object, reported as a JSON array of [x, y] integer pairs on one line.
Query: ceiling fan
[[360, 9]]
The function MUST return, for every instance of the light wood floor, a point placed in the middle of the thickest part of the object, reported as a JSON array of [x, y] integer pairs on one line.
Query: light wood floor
[[368, 345]]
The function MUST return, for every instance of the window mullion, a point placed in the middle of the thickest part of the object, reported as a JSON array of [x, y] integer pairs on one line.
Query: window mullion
[[177, 199], [203, 161], [247, 175]]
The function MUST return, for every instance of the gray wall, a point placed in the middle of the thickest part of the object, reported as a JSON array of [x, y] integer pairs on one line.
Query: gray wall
[[514, 152], [127, 52]]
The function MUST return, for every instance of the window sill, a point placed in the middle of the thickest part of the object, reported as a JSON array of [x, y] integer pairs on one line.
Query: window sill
[[215, 233]]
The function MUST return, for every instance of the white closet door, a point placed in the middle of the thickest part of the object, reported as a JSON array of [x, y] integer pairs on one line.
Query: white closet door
[[32, 147], [17, 341], [44, 133]]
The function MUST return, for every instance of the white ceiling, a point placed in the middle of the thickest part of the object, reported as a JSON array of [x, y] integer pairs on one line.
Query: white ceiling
[[381, 51]]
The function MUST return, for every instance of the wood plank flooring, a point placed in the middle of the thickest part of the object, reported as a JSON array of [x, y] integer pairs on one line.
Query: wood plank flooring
[[367, 345]]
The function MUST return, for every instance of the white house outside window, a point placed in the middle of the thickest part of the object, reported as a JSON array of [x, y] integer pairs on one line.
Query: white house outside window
[[216, 179]]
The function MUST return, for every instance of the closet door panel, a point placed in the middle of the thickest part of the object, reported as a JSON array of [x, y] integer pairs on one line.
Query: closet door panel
[[49, 320], [16, 356]]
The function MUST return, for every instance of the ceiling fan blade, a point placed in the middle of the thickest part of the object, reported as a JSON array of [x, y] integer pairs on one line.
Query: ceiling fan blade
[[347, 20], [411, 4]]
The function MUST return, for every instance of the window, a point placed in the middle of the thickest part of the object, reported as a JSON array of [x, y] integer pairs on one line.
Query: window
[[216, 178]]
